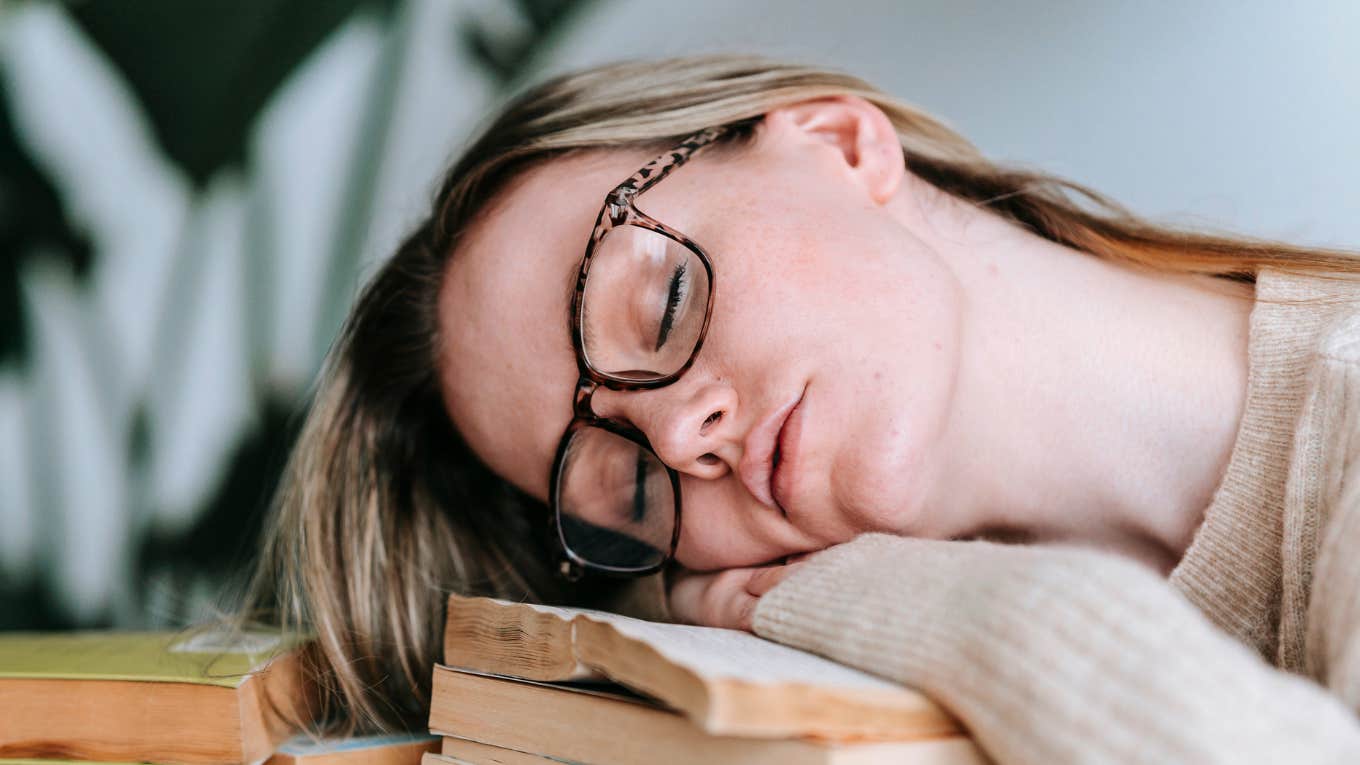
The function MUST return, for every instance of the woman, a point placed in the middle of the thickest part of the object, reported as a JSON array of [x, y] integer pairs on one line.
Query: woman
[[1082, 479]]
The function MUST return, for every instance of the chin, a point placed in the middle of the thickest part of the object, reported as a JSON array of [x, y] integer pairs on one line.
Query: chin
[[884, 495]]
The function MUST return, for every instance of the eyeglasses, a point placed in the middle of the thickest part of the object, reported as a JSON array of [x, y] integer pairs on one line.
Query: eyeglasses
[[643, 299]]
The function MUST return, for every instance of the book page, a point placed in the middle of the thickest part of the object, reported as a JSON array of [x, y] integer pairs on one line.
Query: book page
[[603, 688], [712, 652], [567, 613], [479, 643]]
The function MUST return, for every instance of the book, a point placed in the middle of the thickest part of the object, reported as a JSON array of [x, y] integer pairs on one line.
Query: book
[[203, 697], [568, 724], [728, 682], [383, 749], [465, 752], [462, 751], [458, 751]]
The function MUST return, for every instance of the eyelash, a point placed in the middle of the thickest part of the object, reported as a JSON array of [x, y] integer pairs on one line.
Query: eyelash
[[673, 298]]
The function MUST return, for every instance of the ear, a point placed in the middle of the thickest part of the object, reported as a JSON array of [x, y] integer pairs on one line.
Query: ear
[[863, 137]]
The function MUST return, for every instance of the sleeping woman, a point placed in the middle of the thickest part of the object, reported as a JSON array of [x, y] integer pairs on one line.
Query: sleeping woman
[[733, 342]]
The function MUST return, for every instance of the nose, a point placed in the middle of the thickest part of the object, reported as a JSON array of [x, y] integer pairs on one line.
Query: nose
[[691, 425]]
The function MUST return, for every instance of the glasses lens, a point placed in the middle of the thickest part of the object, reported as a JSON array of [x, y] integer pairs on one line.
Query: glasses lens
[[615, 502], [644, 305]]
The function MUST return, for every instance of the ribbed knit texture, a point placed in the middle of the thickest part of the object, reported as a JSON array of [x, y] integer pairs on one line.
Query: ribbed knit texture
[[1235, 569], [1056, 654]]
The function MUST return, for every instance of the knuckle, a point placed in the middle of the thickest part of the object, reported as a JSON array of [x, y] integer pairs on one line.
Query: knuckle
[[733, 578]]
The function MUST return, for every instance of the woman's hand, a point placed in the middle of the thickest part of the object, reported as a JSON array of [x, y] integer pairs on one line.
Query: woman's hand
[[725, 598]]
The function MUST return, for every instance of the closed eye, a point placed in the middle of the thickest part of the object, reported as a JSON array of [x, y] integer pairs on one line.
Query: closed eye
[[674, 295]]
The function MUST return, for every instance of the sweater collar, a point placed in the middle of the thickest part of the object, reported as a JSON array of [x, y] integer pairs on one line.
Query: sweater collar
[[1232, 570]]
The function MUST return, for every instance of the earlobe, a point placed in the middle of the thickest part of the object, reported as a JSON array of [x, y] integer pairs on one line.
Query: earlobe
[[863, 135]]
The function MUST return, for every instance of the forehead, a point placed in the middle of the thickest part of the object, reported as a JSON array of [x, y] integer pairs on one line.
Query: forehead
[[508, 368]]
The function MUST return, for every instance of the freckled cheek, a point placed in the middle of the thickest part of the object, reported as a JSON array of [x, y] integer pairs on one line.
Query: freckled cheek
[[752, 255], [759, 317]]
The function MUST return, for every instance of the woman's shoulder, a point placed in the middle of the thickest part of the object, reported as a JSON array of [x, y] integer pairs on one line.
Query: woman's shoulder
[[1341, 342], [1320, 311], [1333, 406]]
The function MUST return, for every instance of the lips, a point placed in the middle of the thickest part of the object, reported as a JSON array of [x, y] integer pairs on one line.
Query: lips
[[782, 479], [757, 469]]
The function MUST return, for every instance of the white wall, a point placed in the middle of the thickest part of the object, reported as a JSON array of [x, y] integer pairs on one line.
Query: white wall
[[1240, 115]]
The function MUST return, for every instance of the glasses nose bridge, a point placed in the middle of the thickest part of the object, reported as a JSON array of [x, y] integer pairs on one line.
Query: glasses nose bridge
[[583, 405], [584, 408], [585, 392]]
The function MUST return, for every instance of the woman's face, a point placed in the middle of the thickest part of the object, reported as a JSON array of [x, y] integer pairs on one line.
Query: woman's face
[[834, 333]]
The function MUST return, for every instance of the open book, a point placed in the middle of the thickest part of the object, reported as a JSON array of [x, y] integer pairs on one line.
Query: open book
[[726, 681]]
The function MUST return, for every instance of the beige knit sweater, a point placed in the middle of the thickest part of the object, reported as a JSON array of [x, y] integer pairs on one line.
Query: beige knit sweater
[[1248, 653]]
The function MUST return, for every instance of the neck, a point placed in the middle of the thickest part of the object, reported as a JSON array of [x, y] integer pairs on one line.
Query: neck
[[1096, 404]]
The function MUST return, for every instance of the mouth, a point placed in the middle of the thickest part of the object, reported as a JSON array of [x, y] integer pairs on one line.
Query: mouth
[[783, 465], [763, 451], [766, 450]]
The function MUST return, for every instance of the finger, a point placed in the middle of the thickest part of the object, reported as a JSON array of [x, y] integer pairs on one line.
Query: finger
[[726, 602], [746, 612], [765, 579]]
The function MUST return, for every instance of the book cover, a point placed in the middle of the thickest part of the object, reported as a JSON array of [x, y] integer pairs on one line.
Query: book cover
[[566, 724]]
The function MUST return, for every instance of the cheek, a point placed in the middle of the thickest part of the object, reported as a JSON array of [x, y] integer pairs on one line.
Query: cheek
[[897, 378], [859, 308], [828, 285], [879, 477], [719, 527], [896, 419]]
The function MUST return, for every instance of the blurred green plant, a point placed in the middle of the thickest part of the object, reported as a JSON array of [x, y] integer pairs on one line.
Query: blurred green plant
[[223, 90]]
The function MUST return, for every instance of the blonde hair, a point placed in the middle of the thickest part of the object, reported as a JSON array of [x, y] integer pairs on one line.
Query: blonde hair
[[383, 509]]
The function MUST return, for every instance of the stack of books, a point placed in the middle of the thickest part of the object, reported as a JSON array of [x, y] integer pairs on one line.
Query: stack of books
[[524, 683], [204, 697]]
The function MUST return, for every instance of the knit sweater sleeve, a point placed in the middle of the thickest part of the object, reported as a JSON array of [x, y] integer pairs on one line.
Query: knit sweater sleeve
[[1333, 621], [1334, 610], [1054, 654]]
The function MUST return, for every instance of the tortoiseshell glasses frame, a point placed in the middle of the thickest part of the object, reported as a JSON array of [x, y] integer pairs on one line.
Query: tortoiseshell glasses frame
[[619, 209]]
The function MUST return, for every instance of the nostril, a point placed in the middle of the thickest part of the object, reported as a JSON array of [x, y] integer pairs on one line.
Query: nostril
[[712, 419]]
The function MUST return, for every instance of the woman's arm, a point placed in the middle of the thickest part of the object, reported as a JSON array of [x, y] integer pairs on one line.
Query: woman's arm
[[1054, 654]]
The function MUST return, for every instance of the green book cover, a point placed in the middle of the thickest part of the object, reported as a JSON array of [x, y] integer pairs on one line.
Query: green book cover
[[204, 658]]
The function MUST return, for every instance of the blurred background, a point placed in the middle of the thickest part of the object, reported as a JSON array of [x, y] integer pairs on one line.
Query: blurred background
[[191, 193]]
